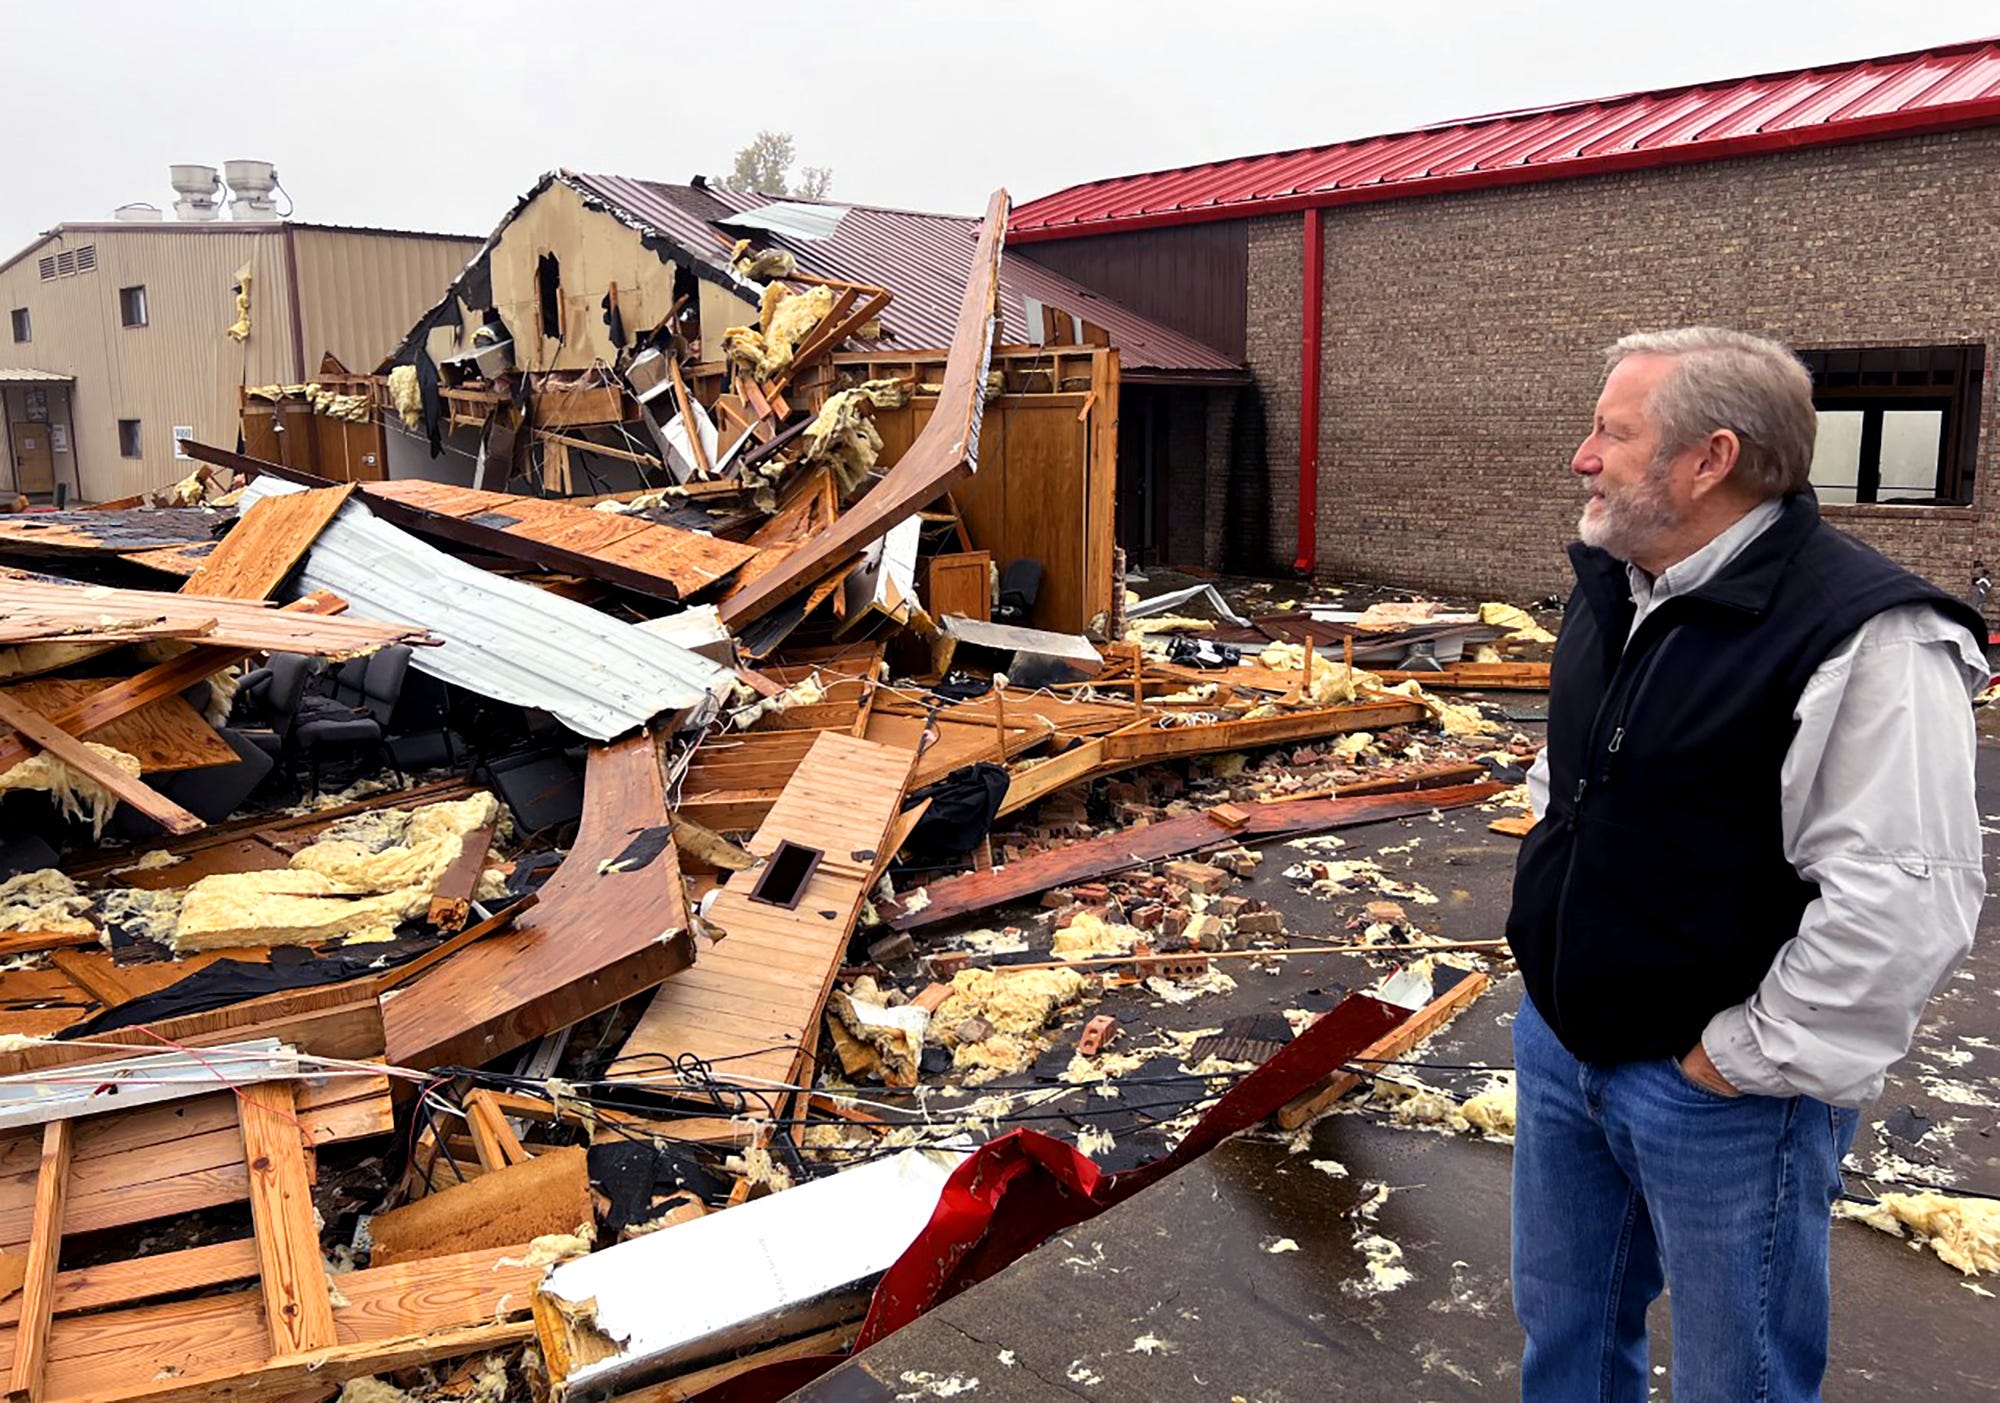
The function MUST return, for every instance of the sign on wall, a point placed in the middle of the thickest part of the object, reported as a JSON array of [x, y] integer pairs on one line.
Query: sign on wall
[[182, 433], [59, 438], [37, 403]]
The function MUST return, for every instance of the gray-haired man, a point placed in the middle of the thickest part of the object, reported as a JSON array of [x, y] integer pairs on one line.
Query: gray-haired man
[[1759, 855]]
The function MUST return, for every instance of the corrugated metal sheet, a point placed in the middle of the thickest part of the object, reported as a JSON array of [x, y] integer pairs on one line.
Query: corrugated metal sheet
[[504, 639], [177, 369], [33, 377], [1934, 90], [360, 290], [923, 259]]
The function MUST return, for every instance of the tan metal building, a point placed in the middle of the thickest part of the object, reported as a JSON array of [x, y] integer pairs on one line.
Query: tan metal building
[[117, 342]]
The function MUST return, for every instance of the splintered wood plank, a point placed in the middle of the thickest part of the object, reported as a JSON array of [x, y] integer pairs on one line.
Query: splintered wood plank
[[1127, 848], [40, 731], [1391, 1045], [611, 922], [164, 735], [266, 544], [109, 700], [38, 1288], [296, 1305], [755, 996], [31, 610]]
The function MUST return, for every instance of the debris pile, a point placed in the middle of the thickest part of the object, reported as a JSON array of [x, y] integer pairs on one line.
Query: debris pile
[[589, 871]]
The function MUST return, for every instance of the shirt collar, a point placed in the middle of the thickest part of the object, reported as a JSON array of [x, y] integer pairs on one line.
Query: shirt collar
[[1685, 576]]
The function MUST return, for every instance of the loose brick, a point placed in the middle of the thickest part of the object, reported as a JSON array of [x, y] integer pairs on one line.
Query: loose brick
[[1198, 876]]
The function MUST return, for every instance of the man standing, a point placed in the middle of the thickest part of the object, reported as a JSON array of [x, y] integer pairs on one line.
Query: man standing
[[1758, 856]]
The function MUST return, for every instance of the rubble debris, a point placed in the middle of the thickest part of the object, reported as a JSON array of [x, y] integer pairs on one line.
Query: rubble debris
[[1963, 1231]]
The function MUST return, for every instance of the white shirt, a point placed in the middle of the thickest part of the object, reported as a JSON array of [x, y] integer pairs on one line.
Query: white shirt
[[1880, 812]]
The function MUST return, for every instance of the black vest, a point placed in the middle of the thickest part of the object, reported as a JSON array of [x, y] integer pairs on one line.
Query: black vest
[[1655, 892]]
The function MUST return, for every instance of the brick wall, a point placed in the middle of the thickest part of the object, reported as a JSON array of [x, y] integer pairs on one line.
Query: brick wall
[[1272, 351], [1186, 426], [1221, 425], [1463, 339]]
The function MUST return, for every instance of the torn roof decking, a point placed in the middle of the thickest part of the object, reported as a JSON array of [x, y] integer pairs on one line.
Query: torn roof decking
[[504, 639], [105, 532], [944, 454], [665, 562], [34, 611]]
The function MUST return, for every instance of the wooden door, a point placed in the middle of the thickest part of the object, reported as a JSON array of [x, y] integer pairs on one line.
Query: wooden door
[[34, 462]]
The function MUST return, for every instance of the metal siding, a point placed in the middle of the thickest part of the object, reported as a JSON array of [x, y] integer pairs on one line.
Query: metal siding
[[178, 369], [1194, 279], [599, 676], [360, 291], [1939, 89]]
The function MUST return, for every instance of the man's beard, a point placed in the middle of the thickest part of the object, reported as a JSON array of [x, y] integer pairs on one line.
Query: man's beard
[[1633, 520]]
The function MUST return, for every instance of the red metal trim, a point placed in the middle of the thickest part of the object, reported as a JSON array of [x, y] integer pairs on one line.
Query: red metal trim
[[1960, 117], [1315, 282]]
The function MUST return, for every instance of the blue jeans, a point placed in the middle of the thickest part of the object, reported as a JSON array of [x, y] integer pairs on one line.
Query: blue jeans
[[1627, 1175]]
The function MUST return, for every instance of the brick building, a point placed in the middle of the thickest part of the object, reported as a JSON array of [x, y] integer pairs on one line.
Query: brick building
[[1468, 276]]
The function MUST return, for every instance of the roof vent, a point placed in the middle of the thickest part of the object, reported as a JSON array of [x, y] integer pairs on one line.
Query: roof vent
[[250, 187], [197, 187], [138, 212]]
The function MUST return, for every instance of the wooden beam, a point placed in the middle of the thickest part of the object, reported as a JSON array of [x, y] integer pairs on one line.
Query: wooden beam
[[297, 1309], [1119, 851], [65, 747], [1391, 1045], [451, 902], [38, 1290]]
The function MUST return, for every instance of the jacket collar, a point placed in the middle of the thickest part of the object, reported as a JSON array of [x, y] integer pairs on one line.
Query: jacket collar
[[1747, 583]]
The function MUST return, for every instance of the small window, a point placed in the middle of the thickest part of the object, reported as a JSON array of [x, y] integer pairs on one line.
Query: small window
[[1897, 424], [132, 306], [23, 331], [128, 439]]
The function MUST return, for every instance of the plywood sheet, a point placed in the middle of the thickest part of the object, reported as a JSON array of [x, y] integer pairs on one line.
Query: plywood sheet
[[756, 995], [266, 544], [165, 735], [625, 550]]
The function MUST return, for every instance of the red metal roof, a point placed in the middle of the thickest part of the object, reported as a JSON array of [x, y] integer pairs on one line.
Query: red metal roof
[[924, 261], [1936, 90]]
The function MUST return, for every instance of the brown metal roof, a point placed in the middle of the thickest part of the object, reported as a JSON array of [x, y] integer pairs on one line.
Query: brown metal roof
[[923, 259]]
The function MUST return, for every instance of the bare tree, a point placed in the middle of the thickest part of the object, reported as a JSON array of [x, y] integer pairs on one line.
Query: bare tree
[[765, 167], [814, 182]]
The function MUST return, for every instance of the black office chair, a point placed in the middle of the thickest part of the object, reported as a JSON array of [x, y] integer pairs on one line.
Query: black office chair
[[363, 701], [268, 700]]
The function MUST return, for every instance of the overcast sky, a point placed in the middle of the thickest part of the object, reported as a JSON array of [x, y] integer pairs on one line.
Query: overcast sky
[[435, 116]]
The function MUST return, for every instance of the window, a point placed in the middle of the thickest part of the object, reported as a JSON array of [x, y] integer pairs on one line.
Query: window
[[128, 439], [132, 306], [1897, 424], [23, 331]]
